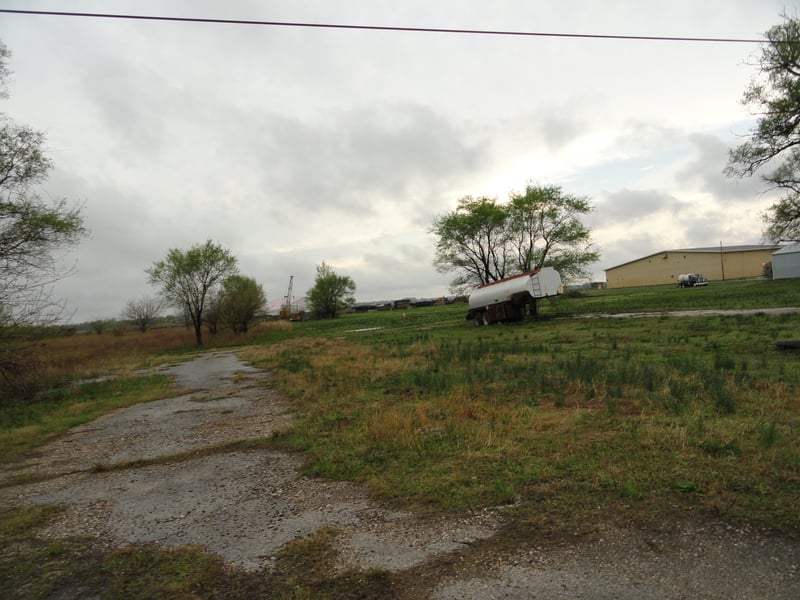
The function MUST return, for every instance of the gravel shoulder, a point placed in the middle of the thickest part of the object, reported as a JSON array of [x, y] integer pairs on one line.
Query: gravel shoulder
[[245, 505]]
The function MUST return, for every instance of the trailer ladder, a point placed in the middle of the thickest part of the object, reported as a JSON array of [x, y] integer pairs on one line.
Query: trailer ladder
[[537, 287]]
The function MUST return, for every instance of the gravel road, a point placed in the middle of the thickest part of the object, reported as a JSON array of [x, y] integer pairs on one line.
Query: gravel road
[[244, 505]]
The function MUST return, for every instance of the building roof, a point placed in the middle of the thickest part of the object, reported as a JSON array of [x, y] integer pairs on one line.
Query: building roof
[[790, 249], [707, 250]]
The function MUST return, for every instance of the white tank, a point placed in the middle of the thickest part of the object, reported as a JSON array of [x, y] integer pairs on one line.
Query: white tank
[[520, 289]]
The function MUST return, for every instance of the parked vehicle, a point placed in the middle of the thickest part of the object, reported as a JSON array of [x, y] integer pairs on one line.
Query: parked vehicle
[[506, 300], [691, 280]]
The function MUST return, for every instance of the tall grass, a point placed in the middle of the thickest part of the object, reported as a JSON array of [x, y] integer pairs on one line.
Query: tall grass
[[52, 361], [68, 381]]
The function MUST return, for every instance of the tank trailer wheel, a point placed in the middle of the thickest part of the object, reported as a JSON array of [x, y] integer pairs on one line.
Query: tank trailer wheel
[[480, 318]]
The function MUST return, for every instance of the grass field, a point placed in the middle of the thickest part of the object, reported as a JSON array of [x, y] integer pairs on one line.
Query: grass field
[[565, 417], [568, 420]]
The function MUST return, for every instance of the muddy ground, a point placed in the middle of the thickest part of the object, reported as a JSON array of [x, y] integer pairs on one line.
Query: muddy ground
[[245, 505]]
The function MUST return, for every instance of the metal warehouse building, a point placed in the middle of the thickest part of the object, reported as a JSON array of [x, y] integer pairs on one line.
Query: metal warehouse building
[[715, 263], [786, 262]]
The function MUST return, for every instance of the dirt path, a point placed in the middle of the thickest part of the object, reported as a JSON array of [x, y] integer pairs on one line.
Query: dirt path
[[244, 505]]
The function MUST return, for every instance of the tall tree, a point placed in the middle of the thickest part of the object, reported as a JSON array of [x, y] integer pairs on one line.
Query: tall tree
[[483, 240], [187, 278], [240, 301], [34, 233], [472, 241], [331, 293], [545, 229], [212, 315], [774, 143]]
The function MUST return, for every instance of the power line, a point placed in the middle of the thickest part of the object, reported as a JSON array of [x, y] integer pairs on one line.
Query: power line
[[385, 28]]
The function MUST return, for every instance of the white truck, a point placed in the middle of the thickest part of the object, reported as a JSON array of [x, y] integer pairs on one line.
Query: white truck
[[505, 300]]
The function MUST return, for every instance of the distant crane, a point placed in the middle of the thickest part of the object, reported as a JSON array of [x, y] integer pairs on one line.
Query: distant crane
[[286, 309]]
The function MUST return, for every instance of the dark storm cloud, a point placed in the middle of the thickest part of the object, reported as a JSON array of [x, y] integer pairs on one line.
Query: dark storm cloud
[[124, 238]]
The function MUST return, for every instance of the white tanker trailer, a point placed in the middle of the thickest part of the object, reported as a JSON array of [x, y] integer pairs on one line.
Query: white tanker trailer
[[505, 300]]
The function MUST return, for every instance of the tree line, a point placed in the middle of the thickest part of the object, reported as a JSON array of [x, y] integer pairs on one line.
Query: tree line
[[204, 283]]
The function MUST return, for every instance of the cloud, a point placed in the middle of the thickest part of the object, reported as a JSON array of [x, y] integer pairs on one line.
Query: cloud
[[717, 224], [627, 205], [706, 171], [381, 269], [122, 241], [624, 249], [351, 160], [560, 126], [134, 103]]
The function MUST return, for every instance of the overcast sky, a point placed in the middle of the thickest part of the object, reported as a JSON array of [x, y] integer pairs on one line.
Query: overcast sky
[[294, 146]]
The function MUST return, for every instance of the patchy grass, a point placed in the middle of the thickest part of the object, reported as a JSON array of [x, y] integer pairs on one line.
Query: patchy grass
[[569, 422], [32, 567], [26, 425], [645, 416], [81, 377], [309, 568]]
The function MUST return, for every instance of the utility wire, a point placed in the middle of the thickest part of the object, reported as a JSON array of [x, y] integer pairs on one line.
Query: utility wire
[[385, 28]]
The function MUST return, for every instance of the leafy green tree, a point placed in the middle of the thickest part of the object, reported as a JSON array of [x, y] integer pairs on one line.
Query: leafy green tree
[[774, 143], [212, 315], [188, 278], [544, 229], [33, 232], [484, 241], [473, 241], [331, 293], [240, 302]]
